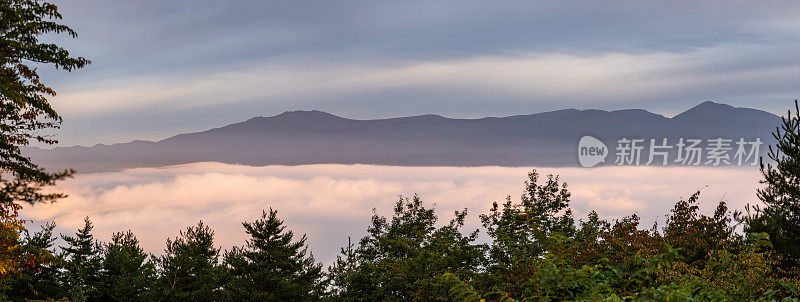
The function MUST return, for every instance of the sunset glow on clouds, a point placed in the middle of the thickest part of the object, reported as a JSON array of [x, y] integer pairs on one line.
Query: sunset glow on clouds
[[332, 202]]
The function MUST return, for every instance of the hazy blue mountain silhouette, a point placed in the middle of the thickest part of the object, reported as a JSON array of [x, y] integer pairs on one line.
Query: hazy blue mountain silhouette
[[314, 137]]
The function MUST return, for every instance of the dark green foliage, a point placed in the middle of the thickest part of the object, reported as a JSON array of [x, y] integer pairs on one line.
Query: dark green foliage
[[740, 277], [127, 273], [272, 266], [697, 258], [345, 275], [780, 215], [402, 258], [461, 291], [82, 263], [521, 232], [42, 279], [189, 269], [525, 228], [538, 254]]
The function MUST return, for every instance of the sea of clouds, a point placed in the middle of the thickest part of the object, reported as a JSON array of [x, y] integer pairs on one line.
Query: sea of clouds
[[332, 202]]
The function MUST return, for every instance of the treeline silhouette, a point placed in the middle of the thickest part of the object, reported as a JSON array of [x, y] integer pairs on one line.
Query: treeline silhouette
[[537, 251]]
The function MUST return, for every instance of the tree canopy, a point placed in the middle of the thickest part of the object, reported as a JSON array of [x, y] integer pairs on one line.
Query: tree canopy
[[26, 115], [778, 214]]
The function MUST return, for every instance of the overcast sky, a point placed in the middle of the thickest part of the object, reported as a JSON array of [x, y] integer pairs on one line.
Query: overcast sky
[[166, 67]]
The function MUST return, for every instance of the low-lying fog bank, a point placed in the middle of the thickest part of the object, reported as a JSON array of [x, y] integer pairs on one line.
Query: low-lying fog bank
[[332, 202]]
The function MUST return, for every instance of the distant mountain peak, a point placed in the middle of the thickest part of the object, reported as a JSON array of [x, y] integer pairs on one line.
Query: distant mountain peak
[[712, 105], [723, 114], [307, 114], [706, 110]]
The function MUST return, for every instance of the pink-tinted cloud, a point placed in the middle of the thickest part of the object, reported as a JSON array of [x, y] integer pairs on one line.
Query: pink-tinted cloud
[[332, 202]]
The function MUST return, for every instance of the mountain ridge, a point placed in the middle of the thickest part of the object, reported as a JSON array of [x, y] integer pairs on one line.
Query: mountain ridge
[[301, 113], [314, 137]]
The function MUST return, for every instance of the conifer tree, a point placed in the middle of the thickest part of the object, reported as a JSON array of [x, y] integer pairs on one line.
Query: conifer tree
[[127, 272], [189, 269], [345, 274], [40, 279], [402, 256], [272, 266], [82, 262], [779, 213]]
